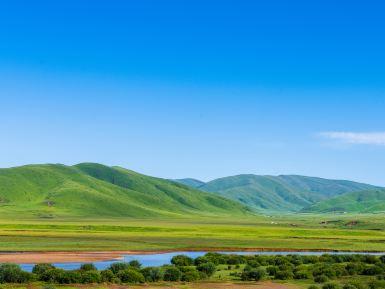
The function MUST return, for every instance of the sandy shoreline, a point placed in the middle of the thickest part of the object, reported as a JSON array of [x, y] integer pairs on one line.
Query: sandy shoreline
[[84, 256]]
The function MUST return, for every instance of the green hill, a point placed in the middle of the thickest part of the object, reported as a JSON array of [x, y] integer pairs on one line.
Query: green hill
[[94, 190], [194, 183], [288, 193], [369, 201]]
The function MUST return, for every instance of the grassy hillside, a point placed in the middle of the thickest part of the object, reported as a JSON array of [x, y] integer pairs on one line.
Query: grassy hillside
[[356, 202], [93, 190], [194, 183], [280, 193]]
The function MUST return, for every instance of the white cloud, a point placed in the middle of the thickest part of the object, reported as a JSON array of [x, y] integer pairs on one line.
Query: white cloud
[[369, 138]]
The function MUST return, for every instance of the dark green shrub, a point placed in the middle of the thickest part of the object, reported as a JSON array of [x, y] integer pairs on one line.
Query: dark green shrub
[[190, 275], [200, 260], [135, 264], [41, 268], [152, 274], [107, 276], [355, 268], [382, 259], [321, 278], [377, 284], [373, 270], [92, 276], [172, 274], [12, 273], [301, 275], [68, 277], [349, 286], [331, 285], [253, 274], [208, 268], [88, 267], [313, 287], [52, 275], [182, 260], [283, 275], [116, 267], [272, 270], [130, 276]]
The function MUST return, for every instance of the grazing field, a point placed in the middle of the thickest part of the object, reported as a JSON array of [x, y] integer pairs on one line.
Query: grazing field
[[289, 232]]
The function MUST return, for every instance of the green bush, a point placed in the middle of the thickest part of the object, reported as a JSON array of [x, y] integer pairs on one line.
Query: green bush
[[116, 267], [313, 287], [255, 274], [68, 277], [272, 270], [135, 264], [377, 284], [91, 276], [52, 275], [172, 274], [321, 278], [12, 273], [152, 274], [130, 276], [88, 267], [331, 285], [301, 275], [208, 268], [39, 269], [284, 275], [107, 276], [182, 260], [190, 275]]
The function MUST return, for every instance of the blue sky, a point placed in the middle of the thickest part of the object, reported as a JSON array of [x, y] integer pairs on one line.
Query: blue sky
[[198, 89]]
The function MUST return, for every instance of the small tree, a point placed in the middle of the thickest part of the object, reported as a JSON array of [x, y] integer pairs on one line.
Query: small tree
[[172, 274], [182, 260], [39, 269], [130, 276], [135, 264], [152, 274], [116, 267], [209, 268], [88, 267]]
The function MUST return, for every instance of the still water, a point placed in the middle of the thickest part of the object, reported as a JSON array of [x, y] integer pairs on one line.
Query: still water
[[165, 258]]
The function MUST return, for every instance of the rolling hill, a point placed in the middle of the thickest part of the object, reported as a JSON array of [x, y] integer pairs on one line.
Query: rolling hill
[[94, 190], [369, 201], [285, 193]]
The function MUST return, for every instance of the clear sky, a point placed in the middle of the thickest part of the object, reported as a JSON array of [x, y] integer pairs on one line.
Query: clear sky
[[196, 88]]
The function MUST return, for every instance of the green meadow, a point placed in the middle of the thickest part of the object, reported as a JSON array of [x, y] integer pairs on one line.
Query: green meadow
[[292, 232]]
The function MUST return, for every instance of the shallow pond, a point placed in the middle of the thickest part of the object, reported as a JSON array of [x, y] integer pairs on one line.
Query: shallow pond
[[160, 259]]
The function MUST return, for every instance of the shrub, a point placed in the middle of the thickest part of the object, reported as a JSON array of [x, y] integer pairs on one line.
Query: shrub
[[253, 274], [373, 270], [135, 264], [88, 267], [116, 267], [91, 276], [41, 268], [208, 268], [182, 260], [330, 286], [172, 274], [272, 270], [200, 260], [130, 276], [321, 279], [152, 274], [355, 268], [382, 259], [313, 287], [68, 277], [190, 275], [377, 284], [107, 276], [52, 275], [12, 273], [349, 286], [301, 275]]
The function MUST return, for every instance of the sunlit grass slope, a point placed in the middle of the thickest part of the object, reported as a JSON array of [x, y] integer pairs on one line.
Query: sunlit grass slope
[[93, 190], [369, 201]]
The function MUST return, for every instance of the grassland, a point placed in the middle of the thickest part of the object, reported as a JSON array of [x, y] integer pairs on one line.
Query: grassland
[[289, 232]]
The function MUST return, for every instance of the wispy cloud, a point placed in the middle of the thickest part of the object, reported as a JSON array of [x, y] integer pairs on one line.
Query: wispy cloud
[[364, 138]]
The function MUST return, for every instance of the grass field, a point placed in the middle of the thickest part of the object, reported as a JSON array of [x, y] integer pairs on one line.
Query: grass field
[[295, 232]]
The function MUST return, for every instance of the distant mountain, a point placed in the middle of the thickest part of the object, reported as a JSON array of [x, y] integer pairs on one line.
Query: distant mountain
[[94, 190], [190, 182], [369, 201], [286, 193]]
